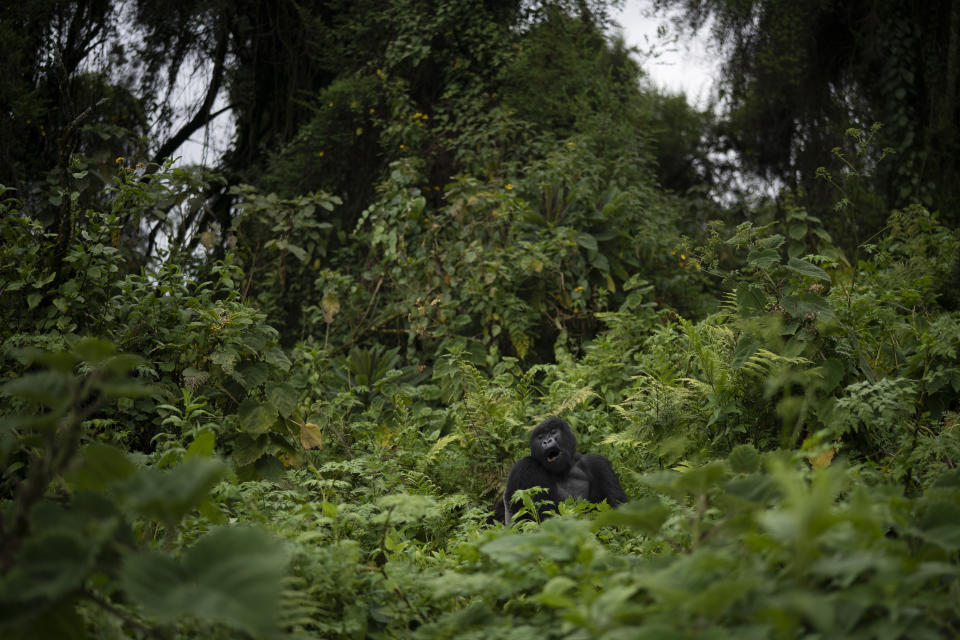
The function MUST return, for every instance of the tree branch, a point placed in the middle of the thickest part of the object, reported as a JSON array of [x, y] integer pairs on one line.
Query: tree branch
[[203, 115]]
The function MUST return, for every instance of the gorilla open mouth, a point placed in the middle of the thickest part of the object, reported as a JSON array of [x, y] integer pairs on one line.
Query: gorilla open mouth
[[552, 453]]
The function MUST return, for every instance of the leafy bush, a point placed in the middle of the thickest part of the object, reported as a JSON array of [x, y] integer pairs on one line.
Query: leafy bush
[[84, 523], [229, 412]]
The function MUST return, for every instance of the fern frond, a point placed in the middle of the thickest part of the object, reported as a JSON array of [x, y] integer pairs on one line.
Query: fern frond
[[624, 438], [576, 398], [440, 445], [729, 302], [298, 609], [763, 362]]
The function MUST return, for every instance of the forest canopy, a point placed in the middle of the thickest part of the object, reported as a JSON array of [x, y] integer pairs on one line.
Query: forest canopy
[[278, 393]]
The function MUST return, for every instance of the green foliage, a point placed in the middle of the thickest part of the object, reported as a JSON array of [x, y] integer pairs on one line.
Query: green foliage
[[288, 408], [230, 576], [786, 105], [83, 522], [53, 283]]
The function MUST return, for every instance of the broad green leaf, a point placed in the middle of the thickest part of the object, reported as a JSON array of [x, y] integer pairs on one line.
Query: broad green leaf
[[121, 363], [225, 357], [252, 374], [817, 608], [169, 495], [298, 252], [283, 396], [510, 549], [756, 487], [587, 241], [672, 448], [701, 479], [807, 269], [940, 525], [417, 206], [202, 446], [59, 361], [254, 339], [49, 565], [764, 258], [948, 480], [43, 387], [807, 305], [256, 417], [721, 595], [744, 459], [148, 575], [248, 449], [93, 349], [600, 262], [843, 569], [823, 235], [798, 230], [29, 421], [276, 357], [747, 345], [99, 466], [771, 242], [232, 576], [645, 516], [751, 300], [129, 389]]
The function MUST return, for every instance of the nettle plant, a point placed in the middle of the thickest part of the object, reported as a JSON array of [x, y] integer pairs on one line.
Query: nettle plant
[[92, 536], [853, 354], [779, 315]]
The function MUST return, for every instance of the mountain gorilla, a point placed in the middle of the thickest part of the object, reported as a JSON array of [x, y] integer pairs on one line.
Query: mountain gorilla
[[555, 464]]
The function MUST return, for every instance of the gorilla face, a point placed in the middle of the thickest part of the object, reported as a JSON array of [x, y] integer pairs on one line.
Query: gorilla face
[[553, 444]]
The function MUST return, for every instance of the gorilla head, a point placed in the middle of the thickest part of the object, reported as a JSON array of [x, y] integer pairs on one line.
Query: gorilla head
[[554, 446]]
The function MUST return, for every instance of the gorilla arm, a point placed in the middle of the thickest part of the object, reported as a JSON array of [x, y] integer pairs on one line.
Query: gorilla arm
[[604, 483], [528, 473]]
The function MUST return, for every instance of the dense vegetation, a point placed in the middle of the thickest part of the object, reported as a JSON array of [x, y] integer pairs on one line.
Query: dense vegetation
[[279, 397]]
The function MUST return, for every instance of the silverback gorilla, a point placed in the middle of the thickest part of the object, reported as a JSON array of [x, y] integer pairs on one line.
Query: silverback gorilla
[[555, 464]]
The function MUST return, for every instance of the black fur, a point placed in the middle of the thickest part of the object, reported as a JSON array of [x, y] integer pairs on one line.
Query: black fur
[[555, 464]]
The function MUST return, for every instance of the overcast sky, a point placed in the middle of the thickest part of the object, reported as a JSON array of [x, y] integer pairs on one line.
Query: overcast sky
[[679, 65]]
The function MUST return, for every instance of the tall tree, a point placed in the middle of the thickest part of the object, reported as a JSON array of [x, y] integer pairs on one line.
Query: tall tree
[[798, 74]]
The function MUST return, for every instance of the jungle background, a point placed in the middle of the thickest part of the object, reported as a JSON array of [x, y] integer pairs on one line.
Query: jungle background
[[277, 394]]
